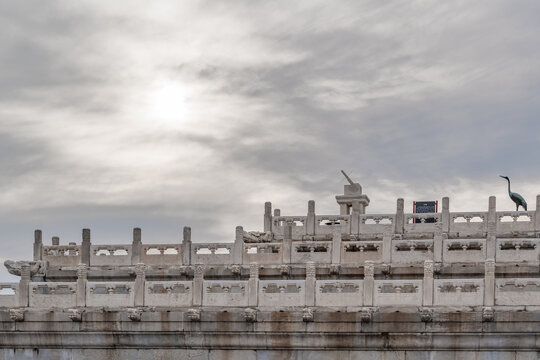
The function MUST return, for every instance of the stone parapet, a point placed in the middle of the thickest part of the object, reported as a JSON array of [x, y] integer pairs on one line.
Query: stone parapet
[[216, 334]]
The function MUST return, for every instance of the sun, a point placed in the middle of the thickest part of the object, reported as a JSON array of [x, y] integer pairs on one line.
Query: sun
[[167, 103]]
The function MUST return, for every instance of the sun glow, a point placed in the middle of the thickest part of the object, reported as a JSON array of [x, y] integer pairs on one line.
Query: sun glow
[[167, 103]]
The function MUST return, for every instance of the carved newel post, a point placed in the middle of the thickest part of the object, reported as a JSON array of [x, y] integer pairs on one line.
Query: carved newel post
[[38, 245], [400, 216], [136, 246], [24, 285], [140, 272], [310, 220], [186, 246], [287, 243], [489, 283], [267, 217], [369, 282], [238, 245], [445, 214], [355, 217], [491, 242], [198, 279], [336, 246], [85, 247], [253, 284], [441, 230], [310, 283], [428, 283], [82, 276]]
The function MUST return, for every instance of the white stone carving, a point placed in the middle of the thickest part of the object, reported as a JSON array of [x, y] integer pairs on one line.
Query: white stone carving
[[16, 314], [307, 314], [250, 315]]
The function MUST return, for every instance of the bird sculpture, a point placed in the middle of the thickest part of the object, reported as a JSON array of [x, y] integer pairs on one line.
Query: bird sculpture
[[518, 199]]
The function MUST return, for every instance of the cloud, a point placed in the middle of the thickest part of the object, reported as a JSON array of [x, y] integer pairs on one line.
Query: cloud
[[163, 115]]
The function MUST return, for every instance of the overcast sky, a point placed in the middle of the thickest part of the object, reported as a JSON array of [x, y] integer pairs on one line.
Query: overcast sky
[[116, 114]]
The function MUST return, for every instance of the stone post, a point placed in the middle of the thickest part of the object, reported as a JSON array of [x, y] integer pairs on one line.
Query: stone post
[[287, 243], [355, 218], [310, 283], [400, 216], [253, 284], [268, 217], [438, 236], [277, 212], [82, 276], [238, 250], [336, 246], [140, 272], [489, 283], [198, 279], [136, 246], [85, 247], [38, 245], [369, 282], [537, 214], [445, 215], [186, 246], [427, 298], [310, 220], [387, 249], [55, 241], [491, 242], [24, 285]]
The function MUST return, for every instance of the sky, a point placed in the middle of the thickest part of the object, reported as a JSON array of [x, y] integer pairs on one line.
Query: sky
[[167, 114]]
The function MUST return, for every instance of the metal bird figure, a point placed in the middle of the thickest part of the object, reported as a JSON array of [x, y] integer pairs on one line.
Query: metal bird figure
[[518, 199]]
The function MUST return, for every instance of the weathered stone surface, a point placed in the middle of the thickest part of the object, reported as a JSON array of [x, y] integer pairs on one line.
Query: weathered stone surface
[[450, 285]]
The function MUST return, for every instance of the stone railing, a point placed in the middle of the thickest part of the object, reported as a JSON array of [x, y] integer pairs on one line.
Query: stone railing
[[53, 294], [62, 255], [518, 250], [212, 253], [522, 291], [9, 294], [110, 294], [358, 289], [110, 255], [161, 254], [400, 238], [464, 250], [463, 292]]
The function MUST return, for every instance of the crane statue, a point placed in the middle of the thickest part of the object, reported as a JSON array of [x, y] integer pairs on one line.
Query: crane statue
[[518, 199]]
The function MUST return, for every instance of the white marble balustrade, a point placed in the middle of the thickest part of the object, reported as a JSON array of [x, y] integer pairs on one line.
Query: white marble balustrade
[[110, 255], [316, 251], [411, 251], [62, 255], [225, 293], [212, 253], [458, 292], [464, 250], [110, 294], [518, 291], [398, 293], [161, 254], [168, 293], [358, 252], [518, 250], [263, 253], [282, 293], [9, 294], [339, 292], [53, 294]]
